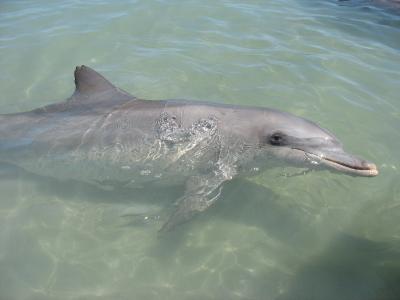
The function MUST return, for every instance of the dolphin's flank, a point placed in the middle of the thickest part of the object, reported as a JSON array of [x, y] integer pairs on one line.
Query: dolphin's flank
[[102, 134]]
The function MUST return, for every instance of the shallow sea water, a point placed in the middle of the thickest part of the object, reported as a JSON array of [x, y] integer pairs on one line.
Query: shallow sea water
[[314, 236]]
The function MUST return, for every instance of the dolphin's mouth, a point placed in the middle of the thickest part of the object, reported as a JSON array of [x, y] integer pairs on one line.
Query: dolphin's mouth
[[343, 162], [364, 169]]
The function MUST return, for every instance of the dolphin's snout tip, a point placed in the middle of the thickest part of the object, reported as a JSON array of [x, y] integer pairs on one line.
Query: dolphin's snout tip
[[373, 170], [370, 167]]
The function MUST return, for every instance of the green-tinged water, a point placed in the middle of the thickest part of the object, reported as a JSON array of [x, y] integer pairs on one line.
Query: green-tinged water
[[314, 236]]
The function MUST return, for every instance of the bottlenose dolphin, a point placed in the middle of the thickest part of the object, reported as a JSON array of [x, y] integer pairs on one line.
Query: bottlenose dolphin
[[103, 135]]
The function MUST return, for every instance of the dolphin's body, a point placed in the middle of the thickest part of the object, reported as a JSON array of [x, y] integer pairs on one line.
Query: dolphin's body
[[104, 135]]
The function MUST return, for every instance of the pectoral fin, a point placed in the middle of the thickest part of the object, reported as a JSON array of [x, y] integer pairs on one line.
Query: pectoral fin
[[201, 192]]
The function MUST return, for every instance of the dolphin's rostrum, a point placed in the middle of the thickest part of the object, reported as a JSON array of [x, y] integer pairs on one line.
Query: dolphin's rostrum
[[102, 134]]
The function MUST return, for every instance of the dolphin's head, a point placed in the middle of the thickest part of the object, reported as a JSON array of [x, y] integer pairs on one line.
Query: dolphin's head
[[303, 143]]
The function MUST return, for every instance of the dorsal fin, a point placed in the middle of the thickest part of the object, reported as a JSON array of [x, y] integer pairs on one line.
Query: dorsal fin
[[92, 92], [88, 81]]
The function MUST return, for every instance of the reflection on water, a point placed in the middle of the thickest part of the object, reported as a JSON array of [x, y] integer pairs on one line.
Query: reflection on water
[[316, 235]]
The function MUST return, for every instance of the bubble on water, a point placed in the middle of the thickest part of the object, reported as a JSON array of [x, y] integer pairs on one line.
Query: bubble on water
[[169, 129], [288, 174], [313, 158], [145, 172], [204, 126]]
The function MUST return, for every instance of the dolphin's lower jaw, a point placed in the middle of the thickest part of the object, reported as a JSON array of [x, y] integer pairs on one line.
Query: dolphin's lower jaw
[[344, 163]]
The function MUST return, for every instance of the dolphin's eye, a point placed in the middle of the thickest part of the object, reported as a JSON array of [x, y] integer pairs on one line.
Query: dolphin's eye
[[277, 139]]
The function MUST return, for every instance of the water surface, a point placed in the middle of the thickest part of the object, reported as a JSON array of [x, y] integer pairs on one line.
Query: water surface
[[315, 236]]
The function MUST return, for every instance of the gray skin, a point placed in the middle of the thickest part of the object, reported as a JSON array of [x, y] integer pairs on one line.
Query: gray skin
[[105, 136]]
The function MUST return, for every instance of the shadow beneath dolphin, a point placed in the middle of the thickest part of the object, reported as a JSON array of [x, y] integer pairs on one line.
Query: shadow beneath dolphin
[[126, 206], [241, 201], [349, 268], [255, 205], [247, 203]]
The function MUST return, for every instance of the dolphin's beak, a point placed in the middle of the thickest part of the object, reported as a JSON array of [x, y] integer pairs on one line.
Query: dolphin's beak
[[345, 163]]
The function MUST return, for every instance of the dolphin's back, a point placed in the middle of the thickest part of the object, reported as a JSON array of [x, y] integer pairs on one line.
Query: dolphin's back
[[100, 134]]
